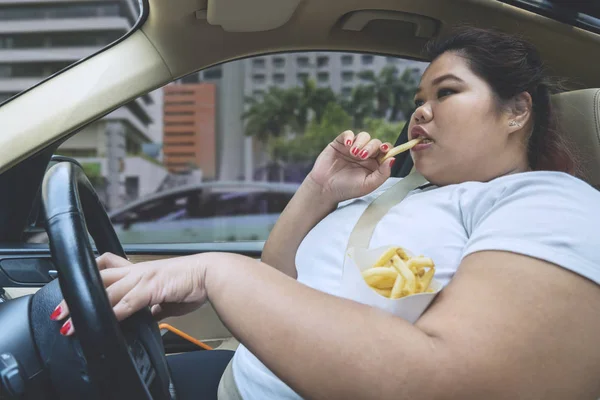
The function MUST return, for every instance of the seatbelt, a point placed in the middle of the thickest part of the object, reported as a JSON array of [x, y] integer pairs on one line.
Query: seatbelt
[[364, 228]]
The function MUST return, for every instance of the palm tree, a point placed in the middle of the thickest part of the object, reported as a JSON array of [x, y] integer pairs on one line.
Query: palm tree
[[360, 105], [403, 91], [272, 114], [383, 85]]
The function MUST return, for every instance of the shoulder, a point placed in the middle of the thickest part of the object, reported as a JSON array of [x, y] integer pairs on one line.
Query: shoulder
[[546, 215], [543, 190]]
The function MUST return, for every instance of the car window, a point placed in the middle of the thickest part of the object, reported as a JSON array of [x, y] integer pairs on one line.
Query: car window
[[218, 154], [41, 38]]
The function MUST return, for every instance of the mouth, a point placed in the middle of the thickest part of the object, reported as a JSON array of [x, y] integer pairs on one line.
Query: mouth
[[418, 132]]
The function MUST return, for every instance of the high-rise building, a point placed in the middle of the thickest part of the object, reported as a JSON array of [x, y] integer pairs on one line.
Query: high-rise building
[[39, 38], [189, 128]]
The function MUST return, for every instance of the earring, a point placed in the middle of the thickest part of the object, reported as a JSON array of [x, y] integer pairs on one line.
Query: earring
[[513, 123]]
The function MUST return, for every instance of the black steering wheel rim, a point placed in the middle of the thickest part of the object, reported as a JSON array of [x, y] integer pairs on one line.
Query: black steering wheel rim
[[72, 209]]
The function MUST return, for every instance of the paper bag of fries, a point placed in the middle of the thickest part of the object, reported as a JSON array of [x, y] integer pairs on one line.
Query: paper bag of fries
[[390, 278]]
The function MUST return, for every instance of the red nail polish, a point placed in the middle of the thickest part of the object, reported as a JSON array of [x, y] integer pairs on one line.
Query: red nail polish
[[65, 328], [364, 154], [56, 313], [355, 151], [384, 147], [392, 162], [348, 142]]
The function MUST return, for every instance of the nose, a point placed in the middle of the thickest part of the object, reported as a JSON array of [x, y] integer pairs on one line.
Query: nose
[[423, 114]]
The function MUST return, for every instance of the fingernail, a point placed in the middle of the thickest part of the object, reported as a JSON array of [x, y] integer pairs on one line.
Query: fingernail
[[66, 328], [364, 154], [348, 142], [392, 161], [355, 151], [56, 313], [384, 147]]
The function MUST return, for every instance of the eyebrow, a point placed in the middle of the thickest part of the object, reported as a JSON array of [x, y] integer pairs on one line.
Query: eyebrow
[[442, 78]]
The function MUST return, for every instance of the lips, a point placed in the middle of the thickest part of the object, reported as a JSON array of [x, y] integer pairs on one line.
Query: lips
[[419, 132]]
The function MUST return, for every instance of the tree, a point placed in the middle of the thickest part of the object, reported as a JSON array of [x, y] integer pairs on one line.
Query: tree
[[403, 91], [318, 135], [270, 115], [360, 105]]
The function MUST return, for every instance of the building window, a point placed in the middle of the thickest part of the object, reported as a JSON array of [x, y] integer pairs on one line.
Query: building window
[[179, 103], [258, 62], [302, 76], [322, 61], [367, 59], [347, 59], [178, 144], [391, 60], [303, 61], [259, 78], [179, 123], [258, 92], [323, 77], [279, 78], [170, 113], [347, 91], [181, 154], [279, 62], [213, 73], [347, 76], [188, 133]]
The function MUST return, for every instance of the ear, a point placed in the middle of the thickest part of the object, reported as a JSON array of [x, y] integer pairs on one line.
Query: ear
[[519, 112]]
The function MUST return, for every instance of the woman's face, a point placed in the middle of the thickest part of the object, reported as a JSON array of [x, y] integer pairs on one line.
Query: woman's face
[[469, 136]]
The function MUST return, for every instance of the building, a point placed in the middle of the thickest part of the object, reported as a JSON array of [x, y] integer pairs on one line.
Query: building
[[338, 71], [189, 128], [39, 38], [240, 156]]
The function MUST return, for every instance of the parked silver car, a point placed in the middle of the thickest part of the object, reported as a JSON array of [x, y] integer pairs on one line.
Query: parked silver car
[[206, 212]]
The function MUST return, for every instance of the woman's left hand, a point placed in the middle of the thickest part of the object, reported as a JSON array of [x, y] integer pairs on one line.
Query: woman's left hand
[[171, 288]]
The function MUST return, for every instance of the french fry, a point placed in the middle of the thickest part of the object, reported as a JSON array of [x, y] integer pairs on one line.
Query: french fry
[[395, 274], [400, 149], [402, 254], [420, 262], [398, 286], [386, 257], [427, 277]]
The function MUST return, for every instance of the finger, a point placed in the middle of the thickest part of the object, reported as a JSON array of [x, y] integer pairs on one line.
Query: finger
[[110, 276], [377, 177], [133, 301], [361, 140], [159, 313], [67, 329], [346, 137], [110, 260], [60, 312], [371, 149], [129, 295], [385, 147]]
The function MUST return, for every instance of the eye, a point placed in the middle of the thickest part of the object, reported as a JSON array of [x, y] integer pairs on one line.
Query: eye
[[419, 103], [445, 92]]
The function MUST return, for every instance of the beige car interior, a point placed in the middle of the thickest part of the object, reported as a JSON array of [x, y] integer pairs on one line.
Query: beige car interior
[[183, 36]]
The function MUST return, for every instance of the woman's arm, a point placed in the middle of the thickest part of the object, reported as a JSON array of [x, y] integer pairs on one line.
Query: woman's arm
[[303, 212], [507, 327], [347, 168]]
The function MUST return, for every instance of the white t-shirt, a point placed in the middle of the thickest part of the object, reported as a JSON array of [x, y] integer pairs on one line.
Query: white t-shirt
[[546, 215]]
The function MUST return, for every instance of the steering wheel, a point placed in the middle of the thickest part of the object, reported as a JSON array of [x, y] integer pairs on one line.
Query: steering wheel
[[105, 359]]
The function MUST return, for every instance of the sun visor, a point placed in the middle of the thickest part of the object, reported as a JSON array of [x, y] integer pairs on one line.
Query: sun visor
[[248, 16]]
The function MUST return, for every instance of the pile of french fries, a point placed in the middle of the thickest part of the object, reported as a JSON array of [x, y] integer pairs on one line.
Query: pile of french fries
[[396, 274]]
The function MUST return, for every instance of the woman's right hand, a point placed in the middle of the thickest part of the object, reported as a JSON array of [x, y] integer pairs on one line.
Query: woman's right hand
[[348, 168]]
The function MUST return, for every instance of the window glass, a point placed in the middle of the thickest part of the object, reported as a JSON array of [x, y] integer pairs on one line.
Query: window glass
[[204, 160], [40, 31]]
